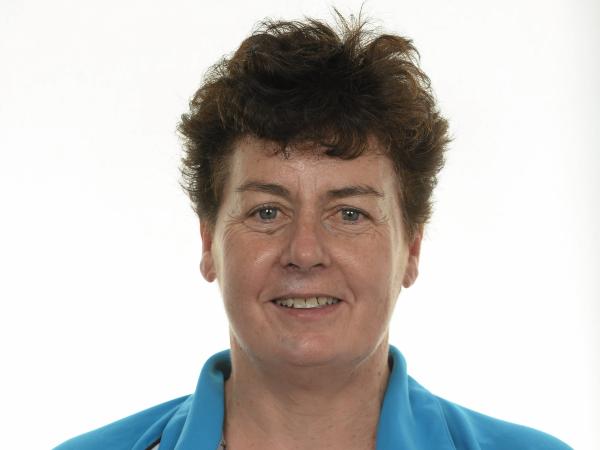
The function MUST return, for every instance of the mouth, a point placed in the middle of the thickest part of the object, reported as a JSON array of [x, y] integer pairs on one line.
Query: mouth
[[306, 303]]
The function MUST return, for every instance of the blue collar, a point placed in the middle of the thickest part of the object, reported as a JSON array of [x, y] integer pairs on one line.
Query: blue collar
[[411, 417]]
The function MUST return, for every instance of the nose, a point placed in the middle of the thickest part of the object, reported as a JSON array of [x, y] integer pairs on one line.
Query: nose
[[305, 248]]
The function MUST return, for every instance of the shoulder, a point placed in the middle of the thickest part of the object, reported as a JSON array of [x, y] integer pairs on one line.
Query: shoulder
[[473, 430], [129, 432]]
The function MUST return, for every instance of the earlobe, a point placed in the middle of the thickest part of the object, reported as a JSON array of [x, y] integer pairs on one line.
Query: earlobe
[[207, 264], [207, 268], [411, 273], [412, 267]]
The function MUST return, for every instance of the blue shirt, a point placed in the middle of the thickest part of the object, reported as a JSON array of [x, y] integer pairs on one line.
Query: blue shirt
[[411, 418]]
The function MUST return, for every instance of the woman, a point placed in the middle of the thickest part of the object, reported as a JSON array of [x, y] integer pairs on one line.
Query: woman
[[311, 156]]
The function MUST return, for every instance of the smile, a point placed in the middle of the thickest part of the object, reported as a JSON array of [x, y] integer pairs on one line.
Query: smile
[[306, 303]]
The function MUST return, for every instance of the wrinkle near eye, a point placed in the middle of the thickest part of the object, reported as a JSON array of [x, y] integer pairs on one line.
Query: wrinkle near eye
[[232, 219]]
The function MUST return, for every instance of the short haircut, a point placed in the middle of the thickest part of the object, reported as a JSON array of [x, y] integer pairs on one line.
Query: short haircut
[[294, 82]]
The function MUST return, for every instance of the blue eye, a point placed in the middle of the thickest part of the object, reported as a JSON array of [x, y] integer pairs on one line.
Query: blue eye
[[350, 215], [267, 213]]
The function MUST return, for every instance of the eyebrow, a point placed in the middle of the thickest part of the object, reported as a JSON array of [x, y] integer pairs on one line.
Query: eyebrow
[[281, 191], [354, 191], [268, 188]]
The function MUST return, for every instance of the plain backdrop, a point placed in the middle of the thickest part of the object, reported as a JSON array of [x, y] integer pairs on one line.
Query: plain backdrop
[[103, 309]]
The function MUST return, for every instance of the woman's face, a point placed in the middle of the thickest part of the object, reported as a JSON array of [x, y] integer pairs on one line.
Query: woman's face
[[310, 254]]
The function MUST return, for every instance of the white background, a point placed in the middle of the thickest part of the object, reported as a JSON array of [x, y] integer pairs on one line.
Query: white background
[[103, 310]]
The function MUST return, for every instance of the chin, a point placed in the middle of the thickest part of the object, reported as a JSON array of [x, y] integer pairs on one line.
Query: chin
[[318, 352]]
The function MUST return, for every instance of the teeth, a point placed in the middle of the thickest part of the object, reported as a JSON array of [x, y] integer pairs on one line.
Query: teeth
[[306, 303]]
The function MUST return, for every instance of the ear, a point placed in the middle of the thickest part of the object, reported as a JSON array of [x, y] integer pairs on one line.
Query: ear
[[207, 263], [412, 266]]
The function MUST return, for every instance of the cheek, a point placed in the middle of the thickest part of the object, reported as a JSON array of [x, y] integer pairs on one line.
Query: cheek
[[247, 259], [375, 274]]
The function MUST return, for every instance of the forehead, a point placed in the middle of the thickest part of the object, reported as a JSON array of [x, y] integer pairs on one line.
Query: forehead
[[306, 165]]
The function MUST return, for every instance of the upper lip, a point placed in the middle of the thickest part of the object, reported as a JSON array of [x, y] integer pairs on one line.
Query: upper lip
[[296, 295]]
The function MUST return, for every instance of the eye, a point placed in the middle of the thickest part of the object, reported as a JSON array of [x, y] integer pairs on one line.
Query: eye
[[351, 214], [267, 213]]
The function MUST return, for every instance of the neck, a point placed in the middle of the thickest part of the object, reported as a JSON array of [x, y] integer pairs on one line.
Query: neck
[[304, 407]]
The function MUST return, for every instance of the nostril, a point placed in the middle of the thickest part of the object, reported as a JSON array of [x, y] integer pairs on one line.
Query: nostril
[[296, 267]]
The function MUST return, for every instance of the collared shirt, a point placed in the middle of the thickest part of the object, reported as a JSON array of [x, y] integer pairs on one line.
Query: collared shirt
[[411, 418]]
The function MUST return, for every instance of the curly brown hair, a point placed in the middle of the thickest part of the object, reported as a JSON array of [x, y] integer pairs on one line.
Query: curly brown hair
[[292, 82]]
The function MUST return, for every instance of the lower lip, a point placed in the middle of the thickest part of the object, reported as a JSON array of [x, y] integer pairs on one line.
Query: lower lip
[[308, 313]]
